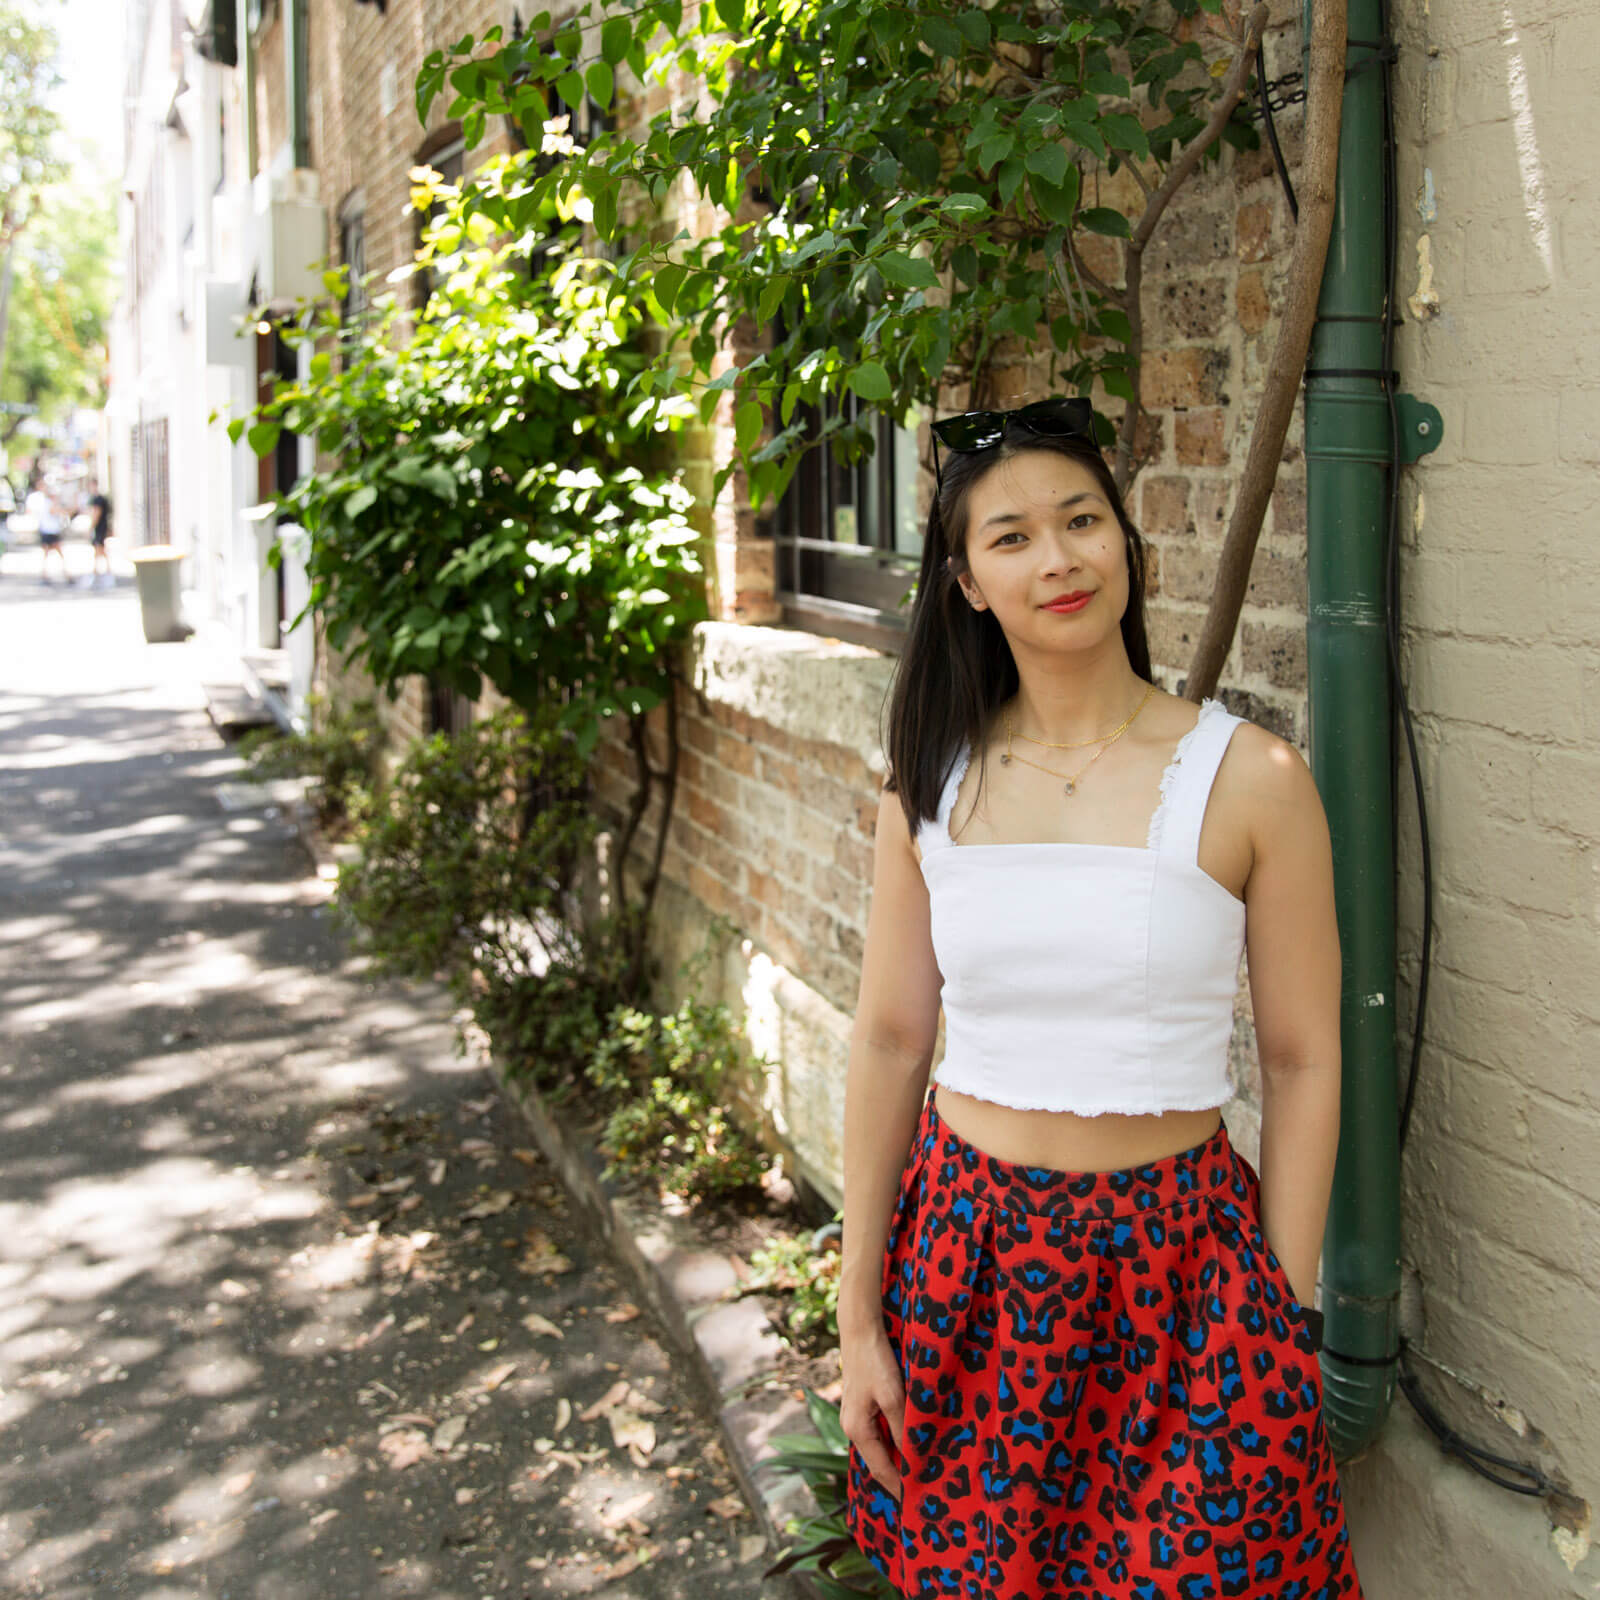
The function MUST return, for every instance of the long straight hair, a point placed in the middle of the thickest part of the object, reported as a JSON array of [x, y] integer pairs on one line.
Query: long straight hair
[[957, 667]]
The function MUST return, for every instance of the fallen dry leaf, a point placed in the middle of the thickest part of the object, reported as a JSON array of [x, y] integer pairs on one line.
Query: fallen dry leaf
[[626, 1312], [395, 1185], [627, 1510], [491, 1206], [238, 1483], [631, 1432], [728, 1507], [542, 1256], [563, 1414], [403, 1448], [541, 1327], [493, 1378], [448, 1434], [629, 1563], [614, 1396], [529, 1158], [436, 1172]]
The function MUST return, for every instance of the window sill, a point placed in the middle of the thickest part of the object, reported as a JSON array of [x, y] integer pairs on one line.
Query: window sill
[[805, 684]]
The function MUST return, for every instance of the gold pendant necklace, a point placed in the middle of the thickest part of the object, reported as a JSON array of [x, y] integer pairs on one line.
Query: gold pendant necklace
[[1070, 786]]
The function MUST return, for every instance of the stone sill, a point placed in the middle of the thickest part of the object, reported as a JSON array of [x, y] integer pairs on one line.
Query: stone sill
[[805, 685]]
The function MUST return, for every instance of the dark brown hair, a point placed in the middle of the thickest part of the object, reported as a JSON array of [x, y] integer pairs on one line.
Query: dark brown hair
[[957, 667]]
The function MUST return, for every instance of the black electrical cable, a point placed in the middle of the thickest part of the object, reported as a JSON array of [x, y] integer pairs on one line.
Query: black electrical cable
[[1391, 584], [1272, 132]]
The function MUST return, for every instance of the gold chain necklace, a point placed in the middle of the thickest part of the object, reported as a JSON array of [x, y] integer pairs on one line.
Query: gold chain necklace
[[1079, 744], [1007, 756]]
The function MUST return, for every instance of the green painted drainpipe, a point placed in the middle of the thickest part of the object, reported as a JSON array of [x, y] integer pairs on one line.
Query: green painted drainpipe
[[1349, 459]]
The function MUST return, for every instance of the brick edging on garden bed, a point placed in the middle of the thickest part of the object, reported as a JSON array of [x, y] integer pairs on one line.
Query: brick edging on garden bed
[[730, 1344]]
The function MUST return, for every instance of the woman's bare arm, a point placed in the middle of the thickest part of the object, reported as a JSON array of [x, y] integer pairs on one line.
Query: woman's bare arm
[[1292, 945], [891, 1050]]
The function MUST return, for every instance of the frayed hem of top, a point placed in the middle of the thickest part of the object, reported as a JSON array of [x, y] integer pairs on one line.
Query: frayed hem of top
[[1124, 1109]]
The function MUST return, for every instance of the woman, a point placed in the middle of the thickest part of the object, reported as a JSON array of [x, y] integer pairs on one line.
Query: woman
[[1080, 1354]]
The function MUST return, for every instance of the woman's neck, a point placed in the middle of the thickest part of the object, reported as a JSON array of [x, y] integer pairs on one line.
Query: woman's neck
[[1070, 710]]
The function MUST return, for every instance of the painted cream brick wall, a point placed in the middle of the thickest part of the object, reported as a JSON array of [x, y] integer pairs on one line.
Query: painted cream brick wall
[[1500, 579]]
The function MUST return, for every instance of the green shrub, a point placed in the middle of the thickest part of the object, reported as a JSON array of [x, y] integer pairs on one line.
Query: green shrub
[[343, 758], [823, 1546], [810, 1275], [666, 1077], [466, 860]]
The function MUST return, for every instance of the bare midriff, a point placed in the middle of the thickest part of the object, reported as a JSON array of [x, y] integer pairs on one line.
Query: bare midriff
[[1065, 1141]]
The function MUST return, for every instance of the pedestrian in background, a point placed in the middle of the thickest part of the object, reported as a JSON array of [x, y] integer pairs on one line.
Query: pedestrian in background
[[99, 532], [42, 507]]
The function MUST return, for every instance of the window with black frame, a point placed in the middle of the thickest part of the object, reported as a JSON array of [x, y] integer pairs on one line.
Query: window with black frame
[[449, 710], [353, 256], [849, 535]]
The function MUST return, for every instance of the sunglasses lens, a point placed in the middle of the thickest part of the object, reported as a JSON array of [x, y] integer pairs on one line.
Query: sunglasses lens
[[973, 430], [1059, 417]]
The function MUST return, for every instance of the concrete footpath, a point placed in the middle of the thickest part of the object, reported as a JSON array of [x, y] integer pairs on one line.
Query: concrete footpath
[[289, 1308]]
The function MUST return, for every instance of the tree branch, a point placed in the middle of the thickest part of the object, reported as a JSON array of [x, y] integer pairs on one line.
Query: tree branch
[[1233, 90], [1324, 108]]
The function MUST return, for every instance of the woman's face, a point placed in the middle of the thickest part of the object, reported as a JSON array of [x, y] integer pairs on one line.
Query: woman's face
[[1039, 528]]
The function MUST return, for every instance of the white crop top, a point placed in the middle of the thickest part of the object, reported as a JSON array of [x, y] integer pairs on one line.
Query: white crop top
[[1090, 977]]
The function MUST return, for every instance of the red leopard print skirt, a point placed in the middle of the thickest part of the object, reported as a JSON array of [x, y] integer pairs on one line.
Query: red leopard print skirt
[[1111, 1391]]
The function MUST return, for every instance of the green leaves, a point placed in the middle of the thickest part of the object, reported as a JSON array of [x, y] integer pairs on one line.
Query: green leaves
[[870, 381], [263, 437], [492, 478], [1049, 161], [616, 35], [600, 81], [910, 272], [1102, 219], [747, 421], [890, 204], [1057, 201]]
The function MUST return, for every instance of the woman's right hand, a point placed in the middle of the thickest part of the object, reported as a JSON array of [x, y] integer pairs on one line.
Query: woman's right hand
[[873, 1389]]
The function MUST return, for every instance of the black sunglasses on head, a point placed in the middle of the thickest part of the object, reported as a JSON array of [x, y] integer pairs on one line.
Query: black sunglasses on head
[[1060, 417]]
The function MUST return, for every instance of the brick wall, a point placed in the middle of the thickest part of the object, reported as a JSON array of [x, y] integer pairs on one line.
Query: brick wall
[[1502, 1174]]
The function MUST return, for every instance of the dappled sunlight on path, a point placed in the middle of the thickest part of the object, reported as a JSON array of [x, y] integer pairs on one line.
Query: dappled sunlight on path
[[287, 1311]]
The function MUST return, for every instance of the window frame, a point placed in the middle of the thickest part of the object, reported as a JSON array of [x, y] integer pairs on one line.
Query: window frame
[[352, 223], [802, 527]]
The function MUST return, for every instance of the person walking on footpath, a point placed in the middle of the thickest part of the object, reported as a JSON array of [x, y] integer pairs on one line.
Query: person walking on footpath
[[1080, 1353], [99, 532], [46, 513]]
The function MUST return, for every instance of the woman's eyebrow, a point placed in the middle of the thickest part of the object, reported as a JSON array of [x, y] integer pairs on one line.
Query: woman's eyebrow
[[1017, 516]]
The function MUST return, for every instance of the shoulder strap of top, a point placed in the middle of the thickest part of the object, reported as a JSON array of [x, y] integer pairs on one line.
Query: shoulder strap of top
[[1187, 785], [935, 834]]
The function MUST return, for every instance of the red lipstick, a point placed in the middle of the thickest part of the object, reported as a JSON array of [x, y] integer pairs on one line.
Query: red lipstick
[[1075, 601]]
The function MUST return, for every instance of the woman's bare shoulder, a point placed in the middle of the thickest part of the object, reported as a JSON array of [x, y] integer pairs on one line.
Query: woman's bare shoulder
[[1272, 779]]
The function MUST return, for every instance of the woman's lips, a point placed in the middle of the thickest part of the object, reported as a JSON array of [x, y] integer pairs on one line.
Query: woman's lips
[[1076, 604]]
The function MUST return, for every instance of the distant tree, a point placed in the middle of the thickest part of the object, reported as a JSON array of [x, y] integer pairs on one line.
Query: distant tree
[[62, 291], [29, 158]]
